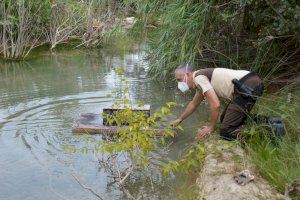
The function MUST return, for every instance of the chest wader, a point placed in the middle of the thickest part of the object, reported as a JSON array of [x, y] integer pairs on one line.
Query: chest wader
[[238, 109], [247, 96], [246, 100]]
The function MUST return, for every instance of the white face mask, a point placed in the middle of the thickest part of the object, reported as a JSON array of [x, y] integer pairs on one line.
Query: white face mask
[[183, 86]]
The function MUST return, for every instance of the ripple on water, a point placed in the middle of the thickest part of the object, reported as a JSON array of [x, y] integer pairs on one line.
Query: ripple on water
[[37, 110]]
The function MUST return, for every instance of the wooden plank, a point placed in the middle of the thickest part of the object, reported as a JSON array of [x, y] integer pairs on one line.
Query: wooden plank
[[91, 123]]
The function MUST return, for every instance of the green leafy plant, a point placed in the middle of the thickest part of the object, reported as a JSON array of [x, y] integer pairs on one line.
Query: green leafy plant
[[140, 143], [137, 132], [191, 161]]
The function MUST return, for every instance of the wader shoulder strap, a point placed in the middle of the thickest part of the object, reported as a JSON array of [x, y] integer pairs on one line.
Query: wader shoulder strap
[[206, 72], [198, 73], [244, 101], [249, 75]]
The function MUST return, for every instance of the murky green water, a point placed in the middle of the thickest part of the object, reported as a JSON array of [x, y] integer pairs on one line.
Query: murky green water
[[40, 99]]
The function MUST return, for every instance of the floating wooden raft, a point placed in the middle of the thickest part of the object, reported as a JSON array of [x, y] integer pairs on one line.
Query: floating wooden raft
[[92, 123]]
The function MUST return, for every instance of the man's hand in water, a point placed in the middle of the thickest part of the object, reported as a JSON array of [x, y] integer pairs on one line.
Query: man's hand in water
[[176, 122], [204, 131]]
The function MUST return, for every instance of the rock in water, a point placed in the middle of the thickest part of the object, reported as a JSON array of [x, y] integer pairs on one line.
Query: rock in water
[[223, 161]]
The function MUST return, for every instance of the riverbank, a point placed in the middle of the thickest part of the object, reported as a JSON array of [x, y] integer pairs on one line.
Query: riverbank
[[30, 24], [273, 161], [223, 161], [41, 97], [217, 34]]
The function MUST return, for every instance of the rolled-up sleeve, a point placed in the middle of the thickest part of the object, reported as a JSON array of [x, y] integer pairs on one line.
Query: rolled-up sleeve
[[202, 82]]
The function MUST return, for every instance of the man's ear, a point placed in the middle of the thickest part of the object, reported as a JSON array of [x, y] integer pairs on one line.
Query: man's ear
[[190, 74]]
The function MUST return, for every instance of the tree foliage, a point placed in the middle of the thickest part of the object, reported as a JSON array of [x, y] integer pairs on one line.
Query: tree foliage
[[26, 24]]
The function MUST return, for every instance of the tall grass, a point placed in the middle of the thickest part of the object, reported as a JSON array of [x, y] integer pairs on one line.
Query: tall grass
[[278, 164], [257, 35], [277, 160], [181, 36]]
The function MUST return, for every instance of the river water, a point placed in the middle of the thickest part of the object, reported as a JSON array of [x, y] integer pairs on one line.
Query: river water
[[40, 99]]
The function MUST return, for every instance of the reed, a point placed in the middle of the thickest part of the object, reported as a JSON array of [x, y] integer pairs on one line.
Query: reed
[[258, 35], [277, 160]]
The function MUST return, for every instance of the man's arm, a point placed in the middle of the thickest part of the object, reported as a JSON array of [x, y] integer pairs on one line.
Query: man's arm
[[214, 105], [191, 107]]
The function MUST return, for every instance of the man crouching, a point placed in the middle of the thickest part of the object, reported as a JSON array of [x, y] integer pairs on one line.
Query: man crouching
[[241, 87]]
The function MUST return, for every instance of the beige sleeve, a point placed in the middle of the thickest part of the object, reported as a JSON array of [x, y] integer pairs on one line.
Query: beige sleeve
[[203, 82]]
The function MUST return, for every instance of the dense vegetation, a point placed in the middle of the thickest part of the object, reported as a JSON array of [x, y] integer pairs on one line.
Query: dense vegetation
[[278, 159], [259, 35], [26, 24], [263, 36]]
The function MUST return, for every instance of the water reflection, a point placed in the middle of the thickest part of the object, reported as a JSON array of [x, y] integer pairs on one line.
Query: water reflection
[[41, 98]]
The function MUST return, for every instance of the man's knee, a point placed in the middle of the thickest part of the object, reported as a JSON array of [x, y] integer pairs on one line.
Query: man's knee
[[230, 133], [226, 134]]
